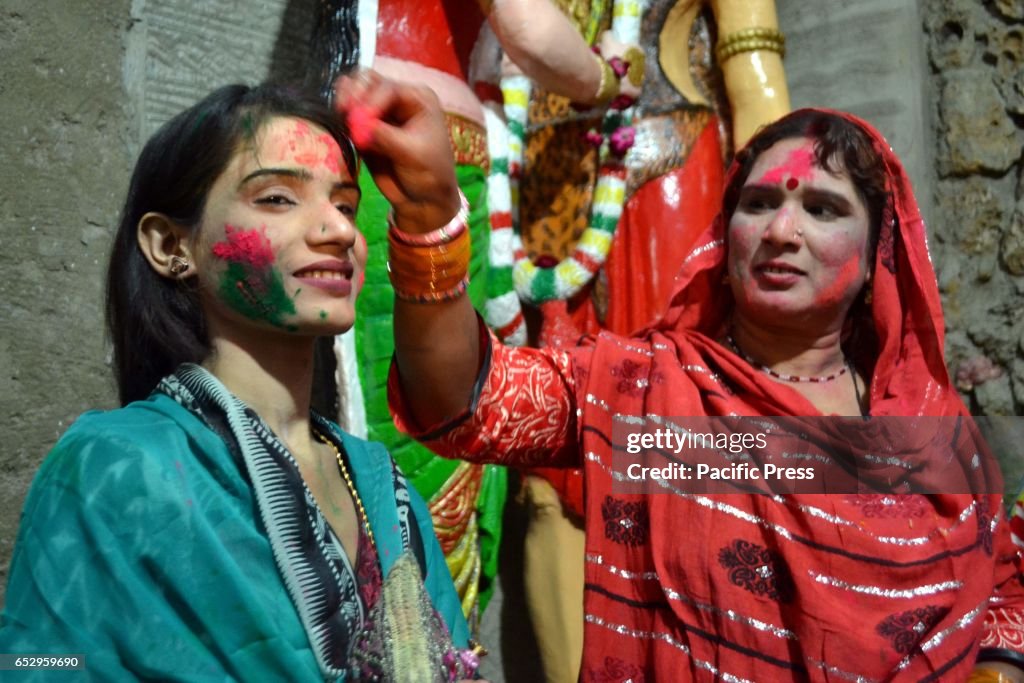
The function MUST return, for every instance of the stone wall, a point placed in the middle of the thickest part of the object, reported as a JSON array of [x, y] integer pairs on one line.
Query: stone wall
[[83, 86], [976, 55], [67, 150]]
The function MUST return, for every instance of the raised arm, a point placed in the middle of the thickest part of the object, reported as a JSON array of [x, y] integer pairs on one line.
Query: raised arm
[[547, 47], [749, 53], [408, 154]]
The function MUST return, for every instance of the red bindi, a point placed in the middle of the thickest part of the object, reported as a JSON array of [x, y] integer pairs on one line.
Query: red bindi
[[792, 184]]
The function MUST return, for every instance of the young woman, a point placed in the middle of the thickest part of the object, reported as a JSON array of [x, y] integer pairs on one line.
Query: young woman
[[811, 295], [215, 527]]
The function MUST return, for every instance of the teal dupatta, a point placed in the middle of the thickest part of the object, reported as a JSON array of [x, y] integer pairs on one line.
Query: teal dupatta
[[141, 549]]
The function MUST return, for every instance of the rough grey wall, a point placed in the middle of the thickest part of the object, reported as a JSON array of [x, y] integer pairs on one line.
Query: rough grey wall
[[66, 155], [976, 54], [83, 85]]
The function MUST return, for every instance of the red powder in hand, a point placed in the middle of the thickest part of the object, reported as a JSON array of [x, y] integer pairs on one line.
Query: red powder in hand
[[362, 122]]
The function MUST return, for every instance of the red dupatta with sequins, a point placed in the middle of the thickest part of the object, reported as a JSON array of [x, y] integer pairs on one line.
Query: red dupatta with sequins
[[682, 585], [758, 587]]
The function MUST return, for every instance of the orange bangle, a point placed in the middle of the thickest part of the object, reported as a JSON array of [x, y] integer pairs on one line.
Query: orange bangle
[[429, 273], [983, 675]]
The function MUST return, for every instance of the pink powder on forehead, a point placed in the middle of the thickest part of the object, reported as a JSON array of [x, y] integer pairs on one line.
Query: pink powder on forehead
[[333, 158], [799, 164], [248, 246]]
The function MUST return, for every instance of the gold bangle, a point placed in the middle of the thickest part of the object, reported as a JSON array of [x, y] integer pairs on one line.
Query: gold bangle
[[609, 86], [749, 40], [635, 57]]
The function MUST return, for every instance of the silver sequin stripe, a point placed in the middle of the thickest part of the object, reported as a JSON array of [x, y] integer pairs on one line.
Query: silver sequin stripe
[[623, 630], [757, 624], [937, 639], [811, 510], [703, 606], [704, 248], [892, 593], [743, 515], [627, 346]]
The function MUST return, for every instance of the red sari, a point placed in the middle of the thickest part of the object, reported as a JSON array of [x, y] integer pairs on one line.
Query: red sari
[[751, 587]]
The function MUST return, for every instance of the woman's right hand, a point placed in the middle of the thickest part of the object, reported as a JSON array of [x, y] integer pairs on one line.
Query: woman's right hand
[[407, 152]]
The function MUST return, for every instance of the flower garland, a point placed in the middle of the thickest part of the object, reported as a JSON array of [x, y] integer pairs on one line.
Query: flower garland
[[536, 284], [502, 309]]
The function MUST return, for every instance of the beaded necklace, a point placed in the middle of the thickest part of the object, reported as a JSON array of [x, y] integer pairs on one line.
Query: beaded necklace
[[351, 488], [821, 379]]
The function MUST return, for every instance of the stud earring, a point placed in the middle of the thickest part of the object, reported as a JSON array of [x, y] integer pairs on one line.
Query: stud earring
[[179, 265]]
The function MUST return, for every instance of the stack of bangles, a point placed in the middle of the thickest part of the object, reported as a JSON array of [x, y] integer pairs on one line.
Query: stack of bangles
[[751, 40], [433, 266]]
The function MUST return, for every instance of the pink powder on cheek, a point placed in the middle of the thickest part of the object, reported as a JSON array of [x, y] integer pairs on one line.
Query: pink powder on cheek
[[799, 164], [248, 246], [833, 293]]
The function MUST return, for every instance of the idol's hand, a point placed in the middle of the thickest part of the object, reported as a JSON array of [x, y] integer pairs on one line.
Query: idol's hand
[[403, 139]]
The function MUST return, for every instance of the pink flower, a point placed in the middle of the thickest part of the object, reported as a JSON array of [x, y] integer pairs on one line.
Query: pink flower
[[593, 138], [618, 66], [621, 140]]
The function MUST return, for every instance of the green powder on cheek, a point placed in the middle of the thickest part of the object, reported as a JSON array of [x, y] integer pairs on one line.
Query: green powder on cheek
[[323, 315], [257, 294]]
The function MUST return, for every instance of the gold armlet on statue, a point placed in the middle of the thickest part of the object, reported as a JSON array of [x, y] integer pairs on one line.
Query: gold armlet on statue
[[749, 40]]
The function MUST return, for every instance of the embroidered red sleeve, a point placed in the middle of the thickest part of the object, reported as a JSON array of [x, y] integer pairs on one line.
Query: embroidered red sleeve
[[524, 414], [1004, 622]]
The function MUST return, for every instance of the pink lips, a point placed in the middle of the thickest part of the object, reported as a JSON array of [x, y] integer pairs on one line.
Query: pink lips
[[330, 275], [778, 273]]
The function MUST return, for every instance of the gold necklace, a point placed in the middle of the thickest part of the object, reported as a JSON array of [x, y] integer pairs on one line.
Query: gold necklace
[[351, 488]]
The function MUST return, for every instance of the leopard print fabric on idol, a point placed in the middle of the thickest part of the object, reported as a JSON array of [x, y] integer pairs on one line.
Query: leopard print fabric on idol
[[560, 166]]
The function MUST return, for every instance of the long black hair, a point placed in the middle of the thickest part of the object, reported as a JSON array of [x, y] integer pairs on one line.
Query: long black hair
[[156, 323]]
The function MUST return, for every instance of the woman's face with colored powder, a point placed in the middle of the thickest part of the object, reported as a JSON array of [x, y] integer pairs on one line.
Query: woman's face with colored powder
[[798, 239], [278, 247]]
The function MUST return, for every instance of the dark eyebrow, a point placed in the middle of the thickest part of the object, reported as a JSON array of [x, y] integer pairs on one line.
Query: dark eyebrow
[[814, 193], [300, 174], [828, 195]]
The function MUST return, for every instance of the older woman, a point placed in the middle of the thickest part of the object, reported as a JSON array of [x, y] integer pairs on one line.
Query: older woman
[[812, 295]]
